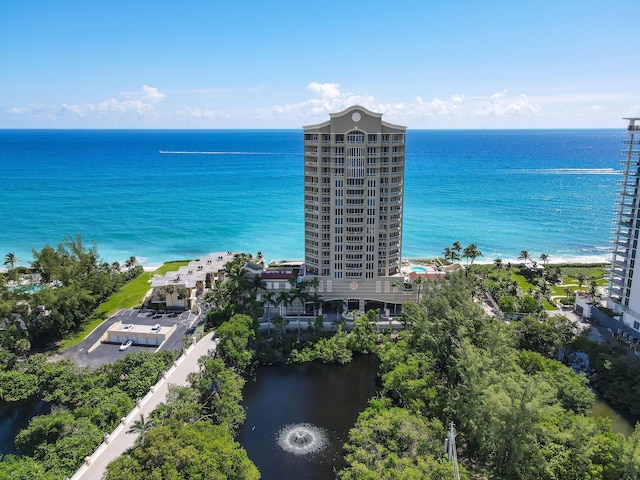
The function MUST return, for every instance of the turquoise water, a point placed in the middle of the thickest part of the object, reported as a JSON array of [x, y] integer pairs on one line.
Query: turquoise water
[[419, 269], [161, 195]]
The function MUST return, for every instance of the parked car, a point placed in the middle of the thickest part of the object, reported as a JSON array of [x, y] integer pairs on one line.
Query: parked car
[[125, 345], [155, 328], [127, 327]]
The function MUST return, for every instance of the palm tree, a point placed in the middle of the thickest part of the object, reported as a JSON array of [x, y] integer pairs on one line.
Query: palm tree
[[268, 299], [284, 299], [339, 304], [450, 254], [259, 257], [314, 282], [258, 284], [301, 296], [545, 259], [580, 278], [396, 284], [593, 290], [524, 256], [456, 247], [544, 287], [141, 427], [130, 263], [498, 263], [183, 293], [316, 299], [419, 282], [471, 252], [169, 289], [10, 260]]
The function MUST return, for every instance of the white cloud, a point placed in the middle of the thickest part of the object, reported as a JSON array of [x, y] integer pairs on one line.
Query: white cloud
[[74, 109], [152, 94], [329, 98], [500, 105], [137, 106]]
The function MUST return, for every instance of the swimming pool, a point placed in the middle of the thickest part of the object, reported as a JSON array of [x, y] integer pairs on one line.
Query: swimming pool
[[418, 269]]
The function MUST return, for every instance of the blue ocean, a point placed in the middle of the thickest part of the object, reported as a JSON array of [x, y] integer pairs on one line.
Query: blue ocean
[[160, 194]]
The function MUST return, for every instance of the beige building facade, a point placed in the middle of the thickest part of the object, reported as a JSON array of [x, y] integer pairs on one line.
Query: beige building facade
[[354, 167]]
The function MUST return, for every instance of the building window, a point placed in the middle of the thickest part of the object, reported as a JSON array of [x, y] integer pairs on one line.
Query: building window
[[636, 325], [355, 137]]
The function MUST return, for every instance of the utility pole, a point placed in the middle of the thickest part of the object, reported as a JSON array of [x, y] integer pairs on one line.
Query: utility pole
[[450, 448]]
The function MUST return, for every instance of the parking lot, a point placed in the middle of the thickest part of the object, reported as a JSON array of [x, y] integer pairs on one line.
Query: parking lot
[[91, 353]]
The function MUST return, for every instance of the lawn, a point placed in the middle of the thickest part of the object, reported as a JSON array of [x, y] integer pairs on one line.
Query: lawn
[[522, 282], [129, 296]]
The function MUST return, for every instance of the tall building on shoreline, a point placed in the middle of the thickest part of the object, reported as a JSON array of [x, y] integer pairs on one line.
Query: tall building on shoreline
[[353, 205], [624, 289]]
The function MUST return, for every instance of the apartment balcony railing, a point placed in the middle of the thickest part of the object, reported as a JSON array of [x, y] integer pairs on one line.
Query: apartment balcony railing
[[633, 153], [633, 128], [621, 232], [615, 289]]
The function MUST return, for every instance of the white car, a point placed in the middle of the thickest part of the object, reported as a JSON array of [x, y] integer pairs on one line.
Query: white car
[[155, 328], [128, 327], [125, 345]]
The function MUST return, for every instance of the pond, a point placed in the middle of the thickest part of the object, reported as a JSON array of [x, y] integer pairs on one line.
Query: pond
[[14, 417], [299, 416], [619, 424]]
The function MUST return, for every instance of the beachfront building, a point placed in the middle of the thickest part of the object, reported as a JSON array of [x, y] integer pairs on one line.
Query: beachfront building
[[353, 205], [178, 290], [624, 289]]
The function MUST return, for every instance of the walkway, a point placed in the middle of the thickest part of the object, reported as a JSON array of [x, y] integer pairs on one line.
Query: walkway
[[119, 441]]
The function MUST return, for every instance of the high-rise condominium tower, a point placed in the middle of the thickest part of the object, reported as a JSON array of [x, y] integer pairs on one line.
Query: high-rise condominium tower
[[624, 288], [353, 196]]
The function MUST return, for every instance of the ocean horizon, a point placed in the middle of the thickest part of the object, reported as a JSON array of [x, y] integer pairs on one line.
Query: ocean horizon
[[163, 195]]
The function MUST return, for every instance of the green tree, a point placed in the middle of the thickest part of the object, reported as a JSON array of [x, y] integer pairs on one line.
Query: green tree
[[498, 263], [185, 452], [130, 263], [419, 282], [471, 252], [140, 427], [451, 254], [390, 443], [524, 256], [10, 260], [234, 338]]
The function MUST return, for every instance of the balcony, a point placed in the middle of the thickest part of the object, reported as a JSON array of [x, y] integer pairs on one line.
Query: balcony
[[633, 162], [625, 232], [633, 128], [617, 290]]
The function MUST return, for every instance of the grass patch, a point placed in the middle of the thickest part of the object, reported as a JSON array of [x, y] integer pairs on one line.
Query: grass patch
[[129, 296], [522, 282], [597, 271]]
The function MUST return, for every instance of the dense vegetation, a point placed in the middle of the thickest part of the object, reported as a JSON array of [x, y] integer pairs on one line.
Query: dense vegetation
[[86, 404], [72, 282], [519, 413]]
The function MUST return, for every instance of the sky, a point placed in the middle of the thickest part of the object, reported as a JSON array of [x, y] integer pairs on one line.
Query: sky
[[215, 64]]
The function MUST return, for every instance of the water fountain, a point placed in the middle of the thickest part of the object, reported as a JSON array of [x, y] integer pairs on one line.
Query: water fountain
[[302, 438]]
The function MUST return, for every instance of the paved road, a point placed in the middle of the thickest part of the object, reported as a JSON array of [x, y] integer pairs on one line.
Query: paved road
[[120, 440]]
